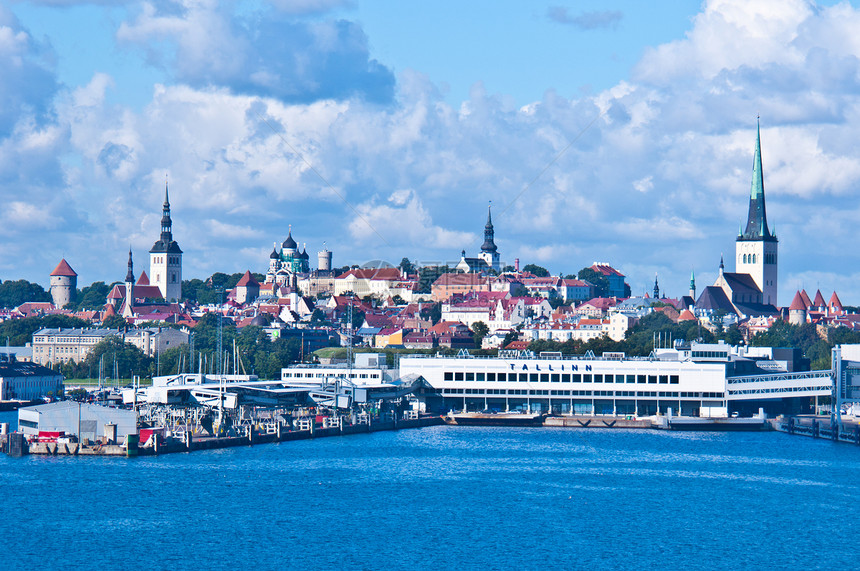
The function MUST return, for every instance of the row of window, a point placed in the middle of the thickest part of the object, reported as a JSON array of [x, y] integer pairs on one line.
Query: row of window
[[323, 375], [710, 354], [561, 378], [565, 393], [751, 258]]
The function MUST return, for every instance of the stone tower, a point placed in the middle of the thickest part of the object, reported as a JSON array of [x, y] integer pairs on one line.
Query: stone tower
[[165, 258], [64, 284], [756, 247]]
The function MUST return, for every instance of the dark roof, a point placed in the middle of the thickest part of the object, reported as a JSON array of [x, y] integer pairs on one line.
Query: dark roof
[[741, 283], [165, 247], [24, 369], [756, 309], [713, 298]]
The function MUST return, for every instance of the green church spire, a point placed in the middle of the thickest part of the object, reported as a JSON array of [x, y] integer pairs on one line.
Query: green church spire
[[756, 228]]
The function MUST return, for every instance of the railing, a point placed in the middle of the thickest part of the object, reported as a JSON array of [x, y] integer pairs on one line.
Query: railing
[[807, 383], [806, 375]]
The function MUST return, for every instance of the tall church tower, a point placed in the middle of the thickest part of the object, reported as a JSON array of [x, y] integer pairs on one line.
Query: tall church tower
[[489, 251], [756, 247], [165, 258]]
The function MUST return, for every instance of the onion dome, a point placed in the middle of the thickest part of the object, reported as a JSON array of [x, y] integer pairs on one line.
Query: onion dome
[[289, 243], [274, 255]]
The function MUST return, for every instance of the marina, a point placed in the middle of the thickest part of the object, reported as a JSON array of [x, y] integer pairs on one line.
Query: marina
[[693, 388]]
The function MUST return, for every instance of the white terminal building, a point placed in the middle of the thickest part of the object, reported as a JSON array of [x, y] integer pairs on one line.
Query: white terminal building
[[700, 380]]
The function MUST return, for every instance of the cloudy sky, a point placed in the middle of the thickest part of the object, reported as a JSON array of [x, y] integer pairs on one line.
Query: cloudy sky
[[600, 130]]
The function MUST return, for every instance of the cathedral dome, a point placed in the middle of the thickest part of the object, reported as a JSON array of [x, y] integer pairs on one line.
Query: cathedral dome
[[289, 243]]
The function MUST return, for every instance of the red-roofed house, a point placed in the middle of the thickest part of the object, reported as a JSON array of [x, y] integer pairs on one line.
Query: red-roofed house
[[248, 289]]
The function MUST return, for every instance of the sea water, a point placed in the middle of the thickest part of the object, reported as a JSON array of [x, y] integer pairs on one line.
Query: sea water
[[442, 498]]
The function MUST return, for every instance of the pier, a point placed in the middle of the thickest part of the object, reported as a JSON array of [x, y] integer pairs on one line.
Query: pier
[[156, 443]]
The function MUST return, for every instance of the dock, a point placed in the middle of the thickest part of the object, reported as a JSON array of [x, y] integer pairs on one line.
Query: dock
[[191, 443]]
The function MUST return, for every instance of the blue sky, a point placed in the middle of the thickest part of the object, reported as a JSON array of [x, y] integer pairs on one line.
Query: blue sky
[[618, 132]]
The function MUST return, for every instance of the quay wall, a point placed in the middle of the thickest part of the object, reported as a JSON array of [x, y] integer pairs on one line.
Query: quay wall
[[212, 443], [822, 428]]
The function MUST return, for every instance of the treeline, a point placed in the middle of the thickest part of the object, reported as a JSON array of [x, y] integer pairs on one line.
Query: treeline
[[257, 354], [640, 339], [94, 296], [806, 338]]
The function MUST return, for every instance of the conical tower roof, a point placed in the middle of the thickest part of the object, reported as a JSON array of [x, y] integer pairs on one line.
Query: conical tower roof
[[64, 269], [835, 303], [819, 300], [797, 303]]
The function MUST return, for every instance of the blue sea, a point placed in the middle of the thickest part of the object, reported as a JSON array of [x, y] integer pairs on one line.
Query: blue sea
[[445, 498]]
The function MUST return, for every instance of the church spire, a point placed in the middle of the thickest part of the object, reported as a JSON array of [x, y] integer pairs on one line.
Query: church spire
[[166, 222], [489, 244], [756, 228], [129, 277]]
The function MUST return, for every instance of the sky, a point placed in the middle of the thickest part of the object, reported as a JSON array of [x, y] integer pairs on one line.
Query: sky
[[610, 131]]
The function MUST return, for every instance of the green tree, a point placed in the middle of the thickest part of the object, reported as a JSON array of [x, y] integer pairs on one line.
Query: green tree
[[407, 266], [598, 280], [479, 331], [20, 331], [539, 271], [93, 296], [130, 360], [14, 293], [115, 322], [429, 274]]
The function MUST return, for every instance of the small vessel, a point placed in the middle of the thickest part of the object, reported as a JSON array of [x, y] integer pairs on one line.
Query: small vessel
[[493, 419]]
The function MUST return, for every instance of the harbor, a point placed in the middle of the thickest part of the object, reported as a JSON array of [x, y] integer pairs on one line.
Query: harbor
[[675, 390]]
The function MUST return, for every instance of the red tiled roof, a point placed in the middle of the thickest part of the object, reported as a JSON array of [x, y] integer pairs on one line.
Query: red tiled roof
[[686, 315], [819, 299], [143, 280], [606, 270], [248, 280], [797, 303], [570, 282], [64, 269], [834, 302], [805, 296]]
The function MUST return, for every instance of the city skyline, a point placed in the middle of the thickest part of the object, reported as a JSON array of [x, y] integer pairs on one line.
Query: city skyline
[[598, 133]]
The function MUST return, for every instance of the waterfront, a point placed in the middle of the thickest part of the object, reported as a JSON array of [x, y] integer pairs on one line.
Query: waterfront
[[441, 497]]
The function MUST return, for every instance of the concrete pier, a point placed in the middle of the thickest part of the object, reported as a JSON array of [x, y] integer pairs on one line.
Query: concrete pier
[[214, 442]]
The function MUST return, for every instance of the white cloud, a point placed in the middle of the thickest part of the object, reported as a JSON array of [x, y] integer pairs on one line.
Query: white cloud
[[652, 173], [401, 221]]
